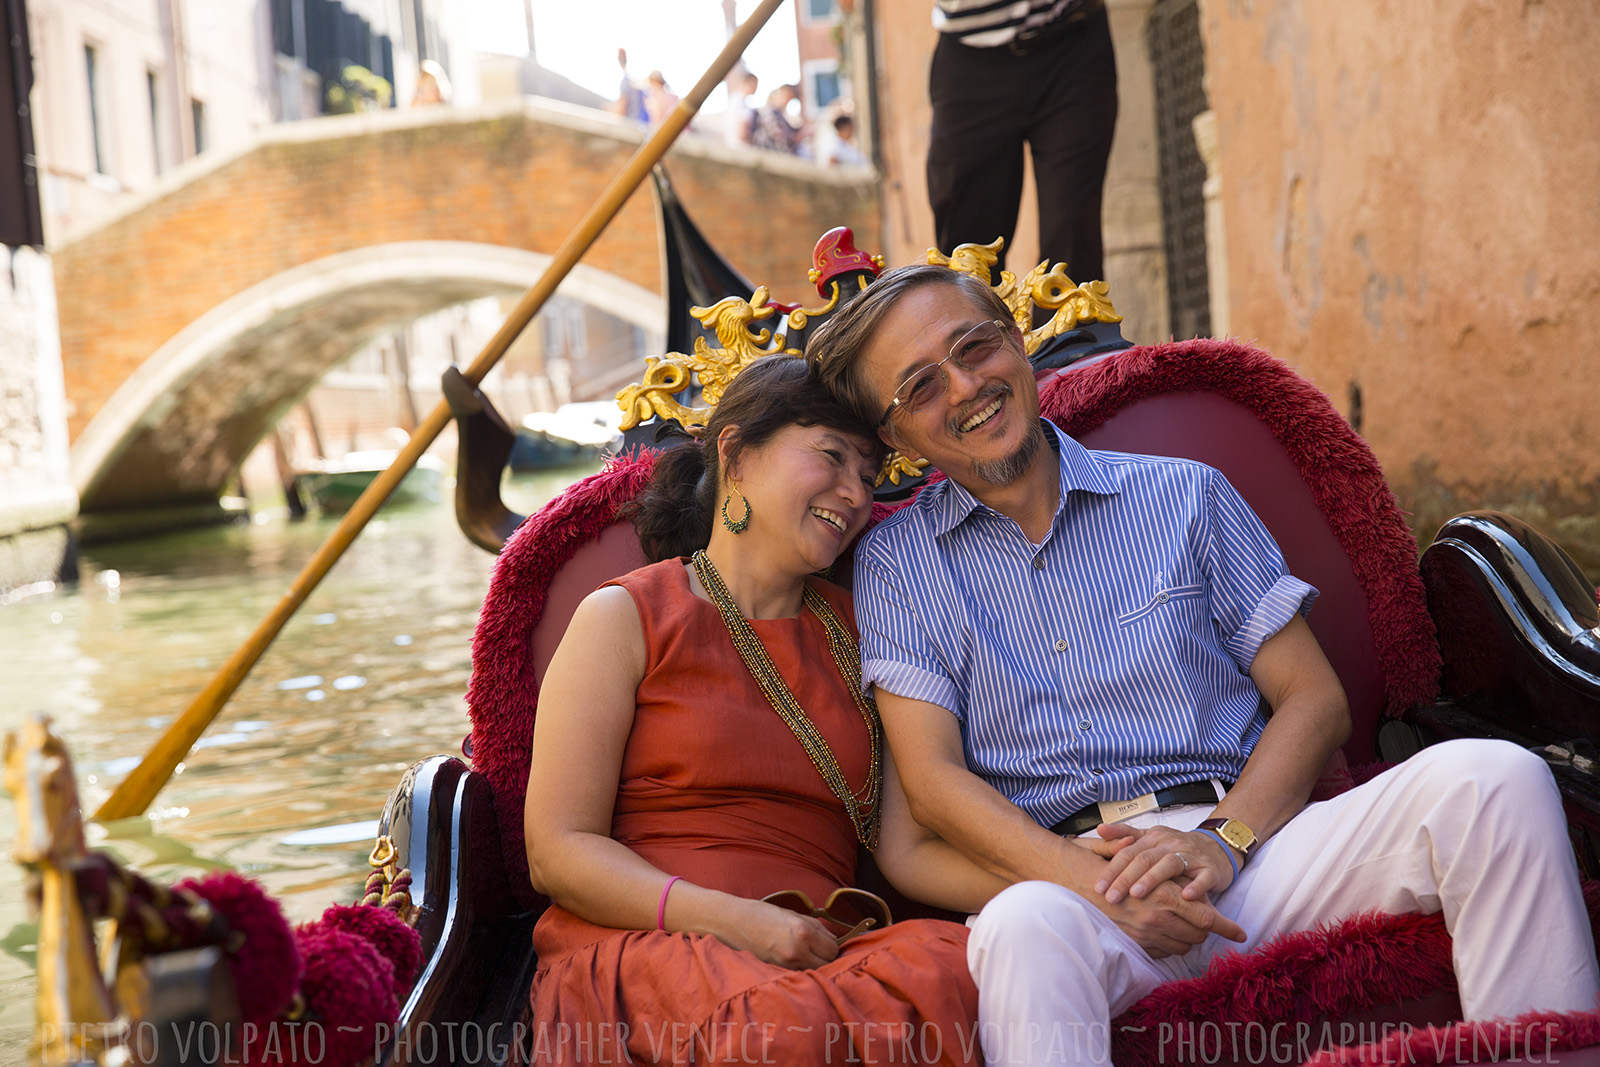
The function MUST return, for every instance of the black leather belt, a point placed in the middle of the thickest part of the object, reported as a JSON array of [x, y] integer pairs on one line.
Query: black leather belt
[[1092, 815], [1031, 40]]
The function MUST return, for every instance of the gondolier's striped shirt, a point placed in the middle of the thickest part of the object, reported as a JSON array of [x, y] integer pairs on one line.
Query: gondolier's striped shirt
[[1106, 663], [986, 23]]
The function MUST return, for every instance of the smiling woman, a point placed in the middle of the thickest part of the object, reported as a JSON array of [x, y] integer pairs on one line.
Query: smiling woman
[[704, 757], [774, 416]]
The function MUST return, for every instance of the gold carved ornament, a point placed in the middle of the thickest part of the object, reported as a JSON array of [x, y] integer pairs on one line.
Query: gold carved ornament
[[731, 319], [389, 884], [90, 996], [1050, 289], [75, 1012], [738, 346]]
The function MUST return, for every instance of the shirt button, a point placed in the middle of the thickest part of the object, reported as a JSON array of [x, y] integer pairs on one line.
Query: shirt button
[[1061, 644], [1038, 563], [1083, 724], [1161, 598], [1096, 770]]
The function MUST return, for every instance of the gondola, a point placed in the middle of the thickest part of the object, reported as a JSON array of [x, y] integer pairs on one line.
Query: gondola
[[332, 485], [574, 434], [1494, 634]]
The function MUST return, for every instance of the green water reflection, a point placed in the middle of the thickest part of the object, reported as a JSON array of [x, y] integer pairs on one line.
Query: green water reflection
[[368, 677]]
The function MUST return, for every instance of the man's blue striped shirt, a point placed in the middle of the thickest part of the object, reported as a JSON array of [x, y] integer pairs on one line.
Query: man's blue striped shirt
[[1111, 660]]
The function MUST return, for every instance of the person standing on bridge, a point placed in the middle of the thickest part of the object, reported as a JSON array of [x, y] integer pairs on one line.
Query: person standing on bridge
[[659, 99], [773, 130], [738, 125], [630, 95]]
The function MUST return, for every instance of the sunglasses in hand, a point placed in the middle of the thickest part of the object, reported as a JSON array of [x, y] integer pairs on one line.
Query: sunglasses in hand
[[855, 911]]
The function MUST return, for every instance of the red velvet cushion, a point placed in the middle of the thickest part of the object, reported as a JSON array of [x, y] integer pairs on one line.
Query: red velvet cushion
[[1315, 483], [613, 553], [1229, 437]]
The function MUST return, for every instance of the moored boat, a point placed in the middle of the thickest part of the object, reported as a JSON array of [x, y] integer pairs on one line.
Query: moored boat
[[334, 484], [572, 434]]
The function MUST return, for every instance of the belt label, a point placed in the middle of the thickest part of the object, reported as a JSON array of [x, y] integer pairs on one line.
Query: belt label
[[1119, 810]]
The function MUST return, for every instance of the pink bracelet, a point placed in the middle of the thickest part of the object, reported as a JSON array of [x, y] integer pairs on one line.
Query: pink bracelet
[[661, 909]]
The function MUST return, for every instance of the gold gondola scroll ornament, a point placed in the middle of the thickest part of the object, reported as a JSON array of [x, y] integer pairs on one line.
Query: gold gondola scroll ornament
[[389, 885], [739, 344], [665, 376], [1043, 287]]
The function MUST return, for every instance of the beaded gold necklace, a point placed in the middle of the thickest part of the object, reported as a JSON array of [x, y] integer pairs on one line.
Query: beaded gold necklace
[[862, 804]]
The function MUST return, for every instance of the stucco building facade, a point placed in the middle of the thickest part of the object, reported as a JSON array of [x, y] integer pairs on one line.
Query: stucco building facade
[[1400, 201], [1411, 215]]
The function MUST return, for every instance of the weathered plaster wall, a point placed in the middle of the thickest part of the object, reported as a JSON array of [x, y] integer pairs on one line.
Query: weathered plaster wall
[[1131, 215], [1412, 204], [36, 495]]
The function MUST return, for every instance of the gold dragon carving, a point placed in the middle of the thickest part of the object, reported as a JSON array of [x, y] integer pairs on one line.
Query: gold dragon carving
[[1043, 287], [732, 320], [739, 344]]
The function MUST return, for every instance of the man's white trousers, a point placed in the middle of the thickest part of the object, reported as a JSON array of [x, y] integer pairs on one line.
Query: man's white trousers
[[1471, 828]]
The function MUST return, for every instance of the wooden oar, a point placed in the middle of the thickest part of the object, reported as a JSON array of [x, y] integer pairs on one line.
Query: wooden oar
[[145, 781]]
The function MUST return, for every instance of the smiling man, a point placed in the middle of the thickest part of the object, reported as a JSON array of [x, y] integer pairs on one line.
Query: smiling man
[[1065, 642]]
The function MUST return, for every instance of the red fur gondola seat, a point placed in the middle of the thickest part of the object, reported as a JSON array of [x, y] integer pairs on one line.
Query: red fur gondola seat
[[1320, 491], [560, 555], [1317, 486], [1309, 476]]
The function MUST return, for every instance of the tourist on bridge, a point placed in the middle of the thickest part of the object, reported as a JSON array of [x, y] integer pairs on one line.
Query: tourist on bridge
[[773, 130], [659, 100], [630, 95]]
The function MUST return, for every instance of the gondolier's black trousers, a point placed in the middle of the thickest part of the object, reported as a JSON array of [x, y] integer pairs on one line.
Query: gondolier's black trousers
[[1060, 96]]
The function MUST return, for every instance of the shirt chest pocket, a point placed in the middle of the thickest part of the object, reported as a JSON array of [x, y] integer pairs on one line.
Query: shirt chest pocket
[[1164, 601]]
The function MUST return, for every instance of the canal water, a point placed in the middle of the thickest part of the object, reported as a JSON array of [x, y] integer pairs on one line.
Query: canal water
[[286, 786]]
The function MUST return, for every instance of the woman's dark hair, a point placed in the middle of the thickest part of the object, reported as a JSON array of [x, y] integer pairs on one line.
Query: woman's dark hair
[[673, 514]]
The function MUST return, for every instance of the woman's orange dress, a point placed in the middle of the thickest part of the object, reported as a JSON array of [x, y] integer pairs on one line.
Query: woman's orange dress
[[716, 788]]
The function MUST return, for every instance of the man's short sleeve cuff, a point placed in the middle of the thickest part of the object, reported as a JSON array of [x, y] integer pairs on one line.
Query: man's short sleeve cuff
[[1288, 597], [913, 683]]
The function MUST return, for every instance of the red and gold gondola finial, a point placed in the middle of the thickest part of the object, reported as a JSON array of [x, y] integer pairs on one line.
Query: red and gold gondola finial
[[836, 253]]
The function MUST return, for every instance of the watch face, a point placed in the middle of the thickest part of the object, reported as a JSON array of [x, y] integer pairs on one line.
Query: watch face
[[1237, 834], [1233, 832]]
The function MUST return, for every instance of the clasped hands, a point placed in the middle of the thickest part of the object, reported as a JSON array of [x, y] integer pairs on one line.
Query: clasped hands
[[1157, 884]]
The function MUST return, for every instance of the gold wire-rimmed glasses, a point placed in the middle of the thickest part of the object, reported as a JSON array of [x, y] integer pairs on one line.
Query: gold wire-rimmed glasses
[[925, 385], [854, 910]]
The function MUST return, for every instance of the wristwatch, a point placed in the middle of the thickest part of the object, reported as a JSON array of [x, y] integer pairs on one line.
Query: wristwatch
[[1234, 833]]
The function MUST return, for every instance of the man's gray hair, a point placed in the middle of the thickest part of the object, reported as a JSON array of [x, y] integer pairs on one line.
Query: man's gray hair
[[835, 349]]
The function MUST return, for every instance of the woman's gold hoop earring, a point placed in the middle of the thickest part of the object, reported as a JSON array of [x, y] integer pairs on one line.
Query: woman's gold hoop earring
[[741, 524]]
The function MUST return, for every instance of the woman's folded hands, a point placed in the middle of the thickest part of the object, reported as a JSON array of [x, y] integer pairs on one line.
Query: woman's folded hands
[[774, 934]]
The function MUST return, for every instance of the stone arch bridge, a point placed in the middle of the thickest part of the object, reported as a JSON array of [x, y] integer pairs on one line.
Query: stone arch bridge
[[192, 320]]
